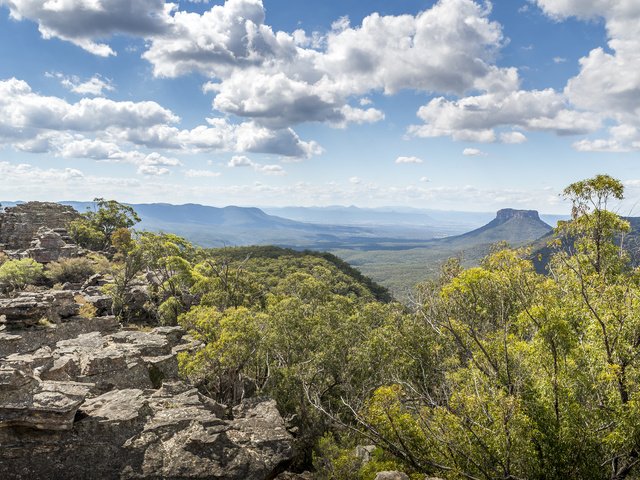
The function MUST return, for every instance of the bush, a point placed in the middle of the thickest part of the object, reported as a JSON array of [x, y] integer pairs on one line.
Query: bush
[[17, 274], [3, 258], [74, 270]]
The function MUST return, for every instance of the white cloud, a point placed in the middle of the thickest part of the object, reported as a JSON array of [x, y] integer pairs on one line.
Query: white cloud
[[148, 163], [513, 137], [270, 169], [153, 170], [37, 123], [84, 22], [95, 86], [355, 180], [25, 172], [23, 112], [472, 152], [559, 59], [608, 83], [278, 79], [408, 160], [201, 174], [475, 118], [239, 161]]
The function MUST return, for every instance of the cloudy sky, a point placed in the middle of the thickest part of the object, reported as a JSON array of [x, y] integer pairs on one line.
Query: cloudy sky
[[454, 104]]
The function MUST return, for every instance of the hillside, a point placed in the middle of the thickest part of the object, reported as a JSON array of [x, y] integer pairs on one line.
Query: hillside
[[399, 270]]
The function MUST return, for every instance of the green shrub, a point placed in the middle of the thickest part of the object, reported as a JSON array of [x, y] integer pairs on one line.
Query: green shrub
[[74, 270], [17, 274]]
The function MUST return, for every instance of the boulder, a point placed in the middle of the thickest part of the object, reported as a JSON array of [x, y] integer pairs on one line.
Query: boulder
[[392, 475], [29, 308], [27, 402], [49, 246]]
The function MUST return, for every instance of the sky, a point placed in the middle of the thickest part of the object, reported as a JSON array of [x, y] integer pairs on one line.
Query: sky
[[450, 104]]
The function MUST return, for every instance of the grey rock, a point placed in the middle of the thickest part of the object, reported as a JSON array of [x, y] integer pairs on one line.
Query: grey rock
[[85, 398], [29, 308], [31, 339], [102, 303], [20, 224], [49, 246], [28, 402], [144, 434], [392, 475]]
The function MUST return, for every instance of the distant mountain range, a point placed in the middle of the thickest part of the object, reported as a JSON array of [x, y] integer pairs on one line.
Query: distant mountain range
[[396, 246]]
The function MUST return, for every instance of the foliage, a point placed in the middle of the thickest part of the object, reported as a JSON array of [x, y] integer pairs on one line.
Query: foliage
[[3, 257], [96, 227], [74, 270], [17, 274]]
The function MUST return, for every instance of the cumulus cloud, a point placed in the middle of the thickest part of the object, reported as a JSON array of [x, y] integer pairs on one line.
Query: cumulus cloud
[[240, 161], [25, 172], [473, 152], [85, 22], [95, 86], [38, 123], [280, 79], [604, 91], [608, 82], [513, 137], [401, 160], [147, 163], [201, 174], [275, 80], [23, 112], [475, 118]]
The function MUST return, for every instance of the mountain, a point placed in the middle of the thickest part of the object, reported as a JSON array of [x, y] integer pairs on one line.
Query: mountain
[[450, 223], [399, 269], [237, 226], [516, 227]]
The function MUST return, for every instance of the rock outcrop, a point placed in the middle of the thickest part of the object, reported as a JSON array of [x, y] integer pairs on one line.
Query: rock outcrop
[[509, 213], [30, 308], [19, 225], [85, 398], [51, 245]]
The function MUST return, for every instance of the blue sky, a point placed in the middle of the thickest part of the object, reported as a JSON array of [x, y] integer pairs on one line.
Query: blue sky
[[455, 104]]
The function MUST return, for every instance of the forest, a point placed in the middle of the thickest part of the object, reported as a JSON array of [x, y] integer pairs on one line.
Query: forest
[[490, 372]]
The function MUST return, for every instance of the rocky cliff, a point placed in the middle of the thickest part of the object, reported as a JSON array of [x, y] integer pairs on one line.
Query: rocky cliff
[[20, 224], [86, 398]]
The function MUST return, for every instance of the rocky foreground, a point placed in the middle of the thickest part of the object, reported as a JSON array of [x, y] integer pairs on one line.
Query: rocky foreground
[[86, 398]]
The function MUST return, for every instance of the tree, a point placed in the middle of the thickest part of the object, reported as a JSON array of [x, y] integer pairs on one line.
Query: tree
[[96, 227], [593, 226]]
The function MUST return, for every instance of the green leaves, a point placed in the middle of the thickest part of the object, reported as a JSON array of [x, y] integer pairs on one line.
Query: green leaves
[[17, 274]]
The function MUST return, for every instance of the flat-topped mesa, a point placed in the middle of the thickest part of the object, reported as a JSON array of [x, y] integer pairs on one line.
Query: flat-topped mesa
[[509, 213], [19, 225]]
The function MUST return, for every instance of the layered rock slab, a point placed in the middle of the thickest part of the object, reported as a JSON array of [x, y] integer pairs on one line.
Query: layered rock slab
[[85, 400]]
